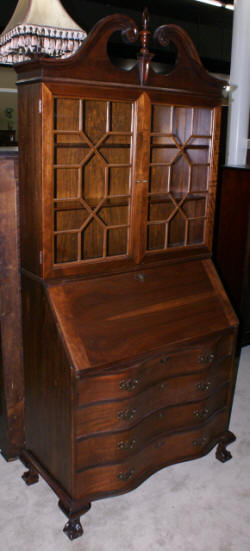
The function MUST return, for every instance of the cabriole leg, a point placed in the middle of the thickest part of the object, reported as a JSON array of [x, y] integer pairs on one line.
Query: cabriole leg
[[73, 528], [222, 454]]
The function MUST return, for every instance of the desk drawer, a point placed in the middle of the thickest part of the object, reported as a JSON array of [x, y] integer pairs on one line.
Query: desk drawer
[[163, 451], [136, 378], [122, 414], [113, 447]]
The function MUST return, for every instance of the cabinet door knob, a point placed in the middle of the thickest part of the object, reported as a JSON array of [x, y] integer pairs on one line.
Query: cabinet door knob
[[128, 384], [203, 386], [126, 476], [206, 358]]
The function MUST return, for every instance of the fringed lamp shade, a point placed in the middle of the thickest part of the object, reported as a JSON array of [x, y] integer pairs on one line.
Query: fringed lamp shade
[[43, 28]]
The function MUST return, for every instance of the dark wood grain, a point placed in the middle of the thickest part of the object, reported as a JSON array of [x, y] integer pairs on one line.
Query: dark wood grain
[[48, 391], [129, 338], [11, 370], [126, 316]]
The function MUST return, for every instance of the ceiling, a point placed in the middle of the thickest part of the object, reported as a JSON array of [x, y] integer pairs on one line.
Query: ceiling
[[209, 27]]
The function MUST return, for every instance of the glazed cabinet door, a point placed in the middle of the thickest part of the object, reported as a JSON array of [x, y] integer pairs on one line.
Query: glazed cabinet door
[[175, 180], [93, 157], [124, 178]]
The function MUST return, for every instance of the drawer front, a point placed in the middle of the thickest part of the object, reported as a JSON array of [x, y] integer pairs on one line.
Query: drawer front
[[106, 447], [171, 391], [138, 377], [165, 450]]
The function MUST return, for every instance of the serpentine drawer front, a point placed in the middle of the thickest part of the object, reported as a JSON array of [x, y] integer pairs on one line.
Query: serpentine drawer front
[[143, 374], [111, 447], [166, 392], [164, 450], [122, 415]]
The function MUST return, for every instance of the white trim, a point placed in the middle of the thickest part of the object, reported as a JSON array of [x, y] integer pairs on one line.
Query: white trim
[[8, 90]]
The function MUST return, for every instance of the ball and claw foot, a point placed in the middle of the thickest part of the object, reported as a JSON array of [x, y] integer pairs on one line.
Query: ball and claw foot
[[222, 454], [30, 477], [73, 529]]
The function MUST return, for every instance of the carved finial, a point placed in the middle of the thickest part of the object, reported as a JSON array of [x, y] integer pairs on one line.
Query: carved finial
[[144, 56], [145, 18], [145, 33]]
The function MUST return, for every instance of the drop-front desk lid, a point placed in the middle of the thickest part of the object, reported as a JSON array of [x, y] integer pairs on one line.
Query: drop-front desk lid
[[123, 316]]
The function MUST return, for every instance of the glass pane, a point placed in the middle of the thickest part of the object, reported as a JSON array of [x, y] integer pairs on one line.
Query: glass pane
[[67, 114], [117, 241], [194, 208], [66, 183], [119, 181], [202, 122], [159, 179], [163, 154], [195, 231], [162, 119], [199, 178], [182, 126], [93, 180], [156, 236], [114, 215], [160, 210], [180, 176], [92, 240], [72, 138], [205, 142], [120, 117], [66, 247], [70, 155], [176, 232], [115, 153], [94, 119], [70, 219], [198, 155]]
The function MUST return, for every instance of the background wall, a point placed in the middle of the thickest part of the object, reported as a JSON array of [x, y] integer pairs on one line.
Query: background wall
[[8, 99]]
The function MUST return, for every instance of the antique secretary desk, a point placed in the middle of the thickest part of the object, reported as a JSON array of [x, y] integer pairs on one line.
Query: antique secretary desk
[[129, 337]]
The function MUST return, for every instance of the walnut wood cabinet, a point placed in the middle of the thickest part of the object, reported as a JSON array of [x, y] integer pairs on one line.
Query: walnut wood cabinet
[[129, 337]]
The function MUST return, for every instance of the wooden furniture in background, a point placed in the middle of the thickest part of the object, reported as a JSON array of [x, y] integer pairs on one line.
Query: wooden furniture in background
[[7, 137], [232, 244], [129, 337], [11, 367]]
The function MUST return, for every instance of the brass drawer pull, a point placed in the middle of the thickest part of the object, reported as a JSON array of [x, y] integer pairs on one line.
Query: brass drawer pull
[[126, 476], [129, 384], [201, 413], [127, 445], [126, 414], [163, 386], [199, 443], [203, 386], [206, 358]]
